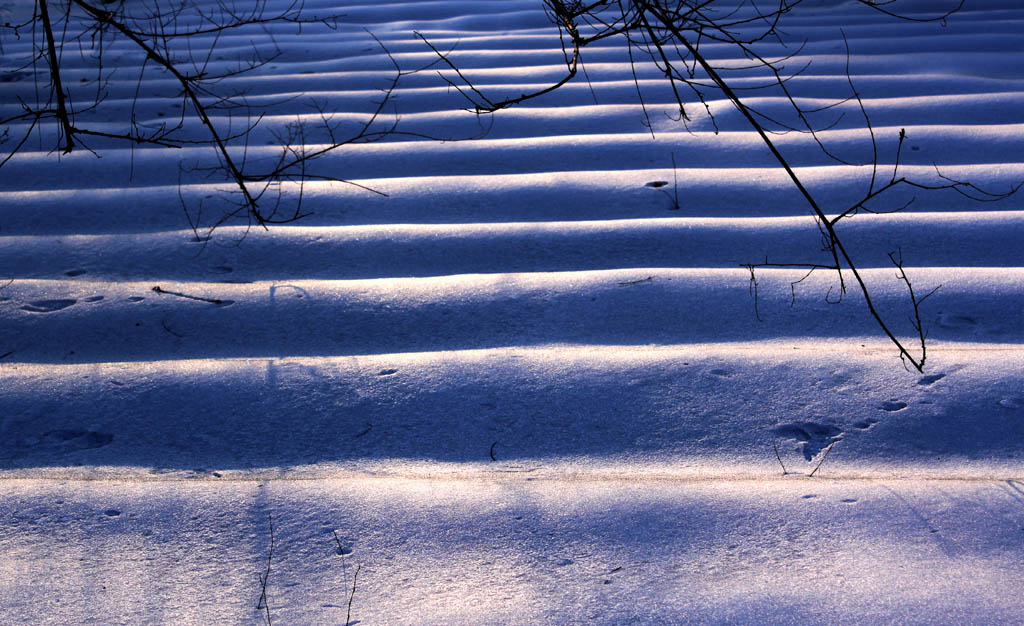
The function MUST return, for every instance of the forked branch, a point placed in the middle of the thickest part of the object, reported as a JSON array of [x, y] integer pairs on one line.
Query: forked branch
[[672, 35], [163, 34]]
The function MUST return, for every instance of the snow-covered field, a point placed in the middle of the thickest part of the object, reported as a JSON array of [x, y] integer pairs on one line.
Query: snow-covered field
[[521, 388]]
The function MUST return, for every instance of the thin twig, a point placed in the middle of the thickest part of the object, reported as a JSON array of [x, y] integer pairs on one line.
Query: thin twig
[[823, 457], [638, 281], [263, 601], [775, 444], [352, 595], [216, 301], [344, 573], [168, 329]]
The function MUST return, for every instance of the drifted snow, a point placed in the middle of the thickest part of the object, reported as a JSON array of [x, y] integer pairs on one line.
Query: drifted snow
[[521, 389]]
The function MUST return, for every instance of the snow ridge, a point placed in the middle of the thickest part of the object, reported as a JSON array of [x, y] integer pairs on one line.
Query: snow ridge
[[519, 358]]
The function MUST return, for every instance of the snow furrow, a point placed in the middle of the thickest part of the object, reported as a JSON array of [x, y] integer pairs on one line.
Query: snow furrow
[[551, 196], [548, 412], [79, 321], [528, 552], [519, 376], [958, 145], [605, 119], [421, 250]]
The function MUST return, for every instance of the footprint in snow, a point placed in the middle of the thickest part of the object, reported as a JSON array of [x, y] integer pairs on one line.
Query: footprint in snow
[[1012, 403], [70, 438], [67, 440], [865, 424], [13, 77], [343, 549], [812, 436], [893, 405], [956, 322], [47, 306], [930, 379]]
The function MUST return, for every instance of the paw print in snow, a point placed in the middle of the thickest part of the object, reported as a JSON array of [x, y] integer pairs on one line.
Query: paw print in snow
[[811, 436]]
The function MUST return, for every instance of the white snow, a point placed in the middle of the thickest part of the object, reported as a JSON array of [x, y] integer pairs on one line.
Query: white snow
[[520, 388]]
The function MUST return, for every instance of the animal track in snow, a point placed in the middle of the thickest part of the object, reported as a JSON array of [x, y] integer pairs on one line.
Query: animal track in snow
[[94, 298], [1011, 403], [657, 183], [77, 439], [720, 372], [13, 77], [893, 405], [136, 299], [812, 436], [387, 372], [74, 273], [343, 549], [865, 424], [47, 306], [956, 322], [929, 379]]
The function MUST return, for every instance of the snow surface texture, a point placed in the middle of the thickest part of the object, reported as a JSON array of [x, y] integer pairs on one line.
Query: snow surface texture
[[522, 389]]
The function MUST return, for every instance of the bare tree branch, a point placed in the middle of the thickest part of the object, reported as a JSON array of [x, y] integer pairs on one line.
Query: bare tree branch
[[672, 34], [163, 32]]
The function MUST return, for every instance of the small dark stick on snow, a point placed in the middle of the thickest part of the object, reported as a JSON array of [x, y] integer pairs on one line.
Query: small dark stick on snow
[[637, 282], [341, 553], [158, 289], [674, 196], [823, 457], [351, 596], [493, 458], [775, 444], [265, 577], [167, 328]]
